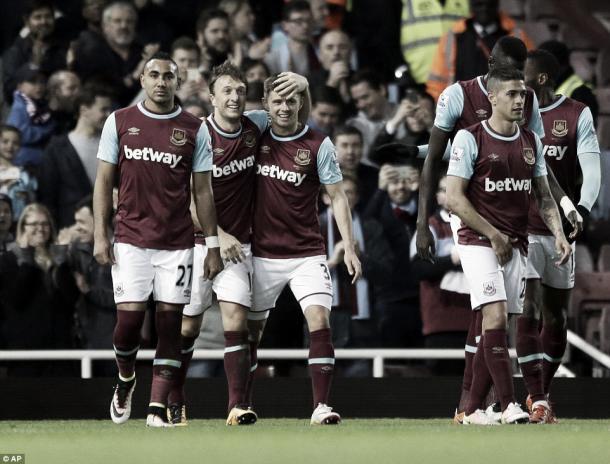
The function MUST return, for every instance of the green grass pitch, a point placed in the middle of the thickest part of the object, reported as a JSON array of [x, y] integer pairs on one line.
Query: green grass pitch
[[292, 441]]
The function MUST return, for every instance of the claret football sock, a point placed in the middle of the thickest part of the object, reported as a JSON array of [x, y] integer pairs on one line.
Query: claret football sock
[[252, 374], [481, 381], [321, 364], [166, 364], [554, 341], [529, 356], [497, 359], [126, 341], [176, 394], [237, 366], [469, 351]]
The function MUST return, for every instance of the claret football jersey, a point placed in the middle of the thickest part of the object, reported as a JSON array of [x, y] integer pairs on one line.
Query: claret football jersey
[[289, 173], [155, 155]]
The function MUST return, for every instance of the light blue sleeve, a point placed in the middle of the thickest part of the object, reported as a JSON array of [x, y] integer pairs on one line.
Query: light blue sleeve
[[464, 153], [258, 117], [108, 149], [540, 166], [449, 107], [329, 171], [202, 157], [586, 138], [535, 124]]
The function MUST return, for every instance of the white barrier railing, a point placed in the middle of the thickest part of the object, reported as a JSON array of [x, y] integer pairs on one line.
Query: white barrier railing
[[86, 357]]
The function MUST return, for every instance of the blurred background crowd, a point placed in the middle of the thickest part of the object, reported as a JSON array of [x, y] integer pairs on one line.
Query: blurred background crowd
[[375, 68]]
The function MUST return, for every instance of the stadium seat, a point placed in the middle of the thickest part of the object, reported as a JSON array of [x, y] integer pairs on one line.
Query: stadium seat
[[584, 260], [603, 261]]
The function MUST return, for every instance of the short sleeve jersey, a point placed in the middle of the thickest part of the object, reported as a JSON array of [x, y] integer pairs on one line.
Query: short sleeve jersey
[[155, 155], [569, 130], [465, 103], [234, 172], [290, 171], [500, 171]]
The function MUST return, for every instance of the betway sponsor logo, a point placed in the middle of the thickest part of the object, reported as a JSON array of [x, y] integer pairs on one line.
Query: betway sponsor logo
[[509, 184], [150, 154], [276, 172], [555, 151], [234, 166]]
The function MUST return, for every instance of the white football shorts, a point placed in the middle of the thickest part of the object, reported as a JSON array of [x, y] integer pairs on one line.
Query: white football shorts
[[308, 278], [233, 284], [140, 271], [541, 257], [489, 282]]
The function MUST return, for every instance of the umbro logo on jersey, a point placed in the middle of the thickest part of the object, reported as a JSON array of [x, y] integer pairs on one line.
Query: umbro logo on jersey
[[150, 154], [265, 149], [133, 131], [218, 151], [481, 113], [276, 172], [554, 151], [494, 157], [510, 184], [234, 166]]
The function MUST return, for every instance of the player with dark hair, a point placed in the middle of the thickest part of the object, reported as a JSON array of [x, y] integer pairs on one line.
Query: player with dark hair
[[572, 152], [234, 136], [461, 105], [493, 166], [153, 147], [288, 248]]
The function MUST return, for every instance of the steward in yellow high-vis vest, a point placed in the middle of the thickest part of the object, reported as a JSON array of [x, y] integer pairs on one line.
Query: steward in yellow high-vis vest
[[423, 24]]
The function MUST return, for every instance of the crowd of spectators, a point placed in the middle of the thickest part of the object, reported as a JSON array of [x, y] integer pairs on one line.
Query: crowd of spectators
[[66, 65]]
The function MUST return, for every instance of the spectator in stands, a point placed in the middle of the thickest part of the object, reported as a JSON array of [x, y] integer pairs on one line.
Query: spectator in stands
[[394, 205], [185, 52], [6, 222], [255, 70], [297, 54], [374, 110], [412, 122], [92, 13], [327, 109], [423, 23], [37, 291], [254, 96], [245, 42], [353, 315], [95, 308], [335, 53], [30, 114], [348, 143], [319, 15], [38, 50], [463, 52], [69, 163], [114, 56], [213, 38], [443, 290], [569, 83], [196, 107], [63, 88], [15, 182]]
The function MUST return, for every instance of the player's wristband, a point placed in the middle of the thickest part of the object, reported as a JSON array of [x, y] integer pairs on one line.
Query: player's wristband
[[566, 205], [212, 241]]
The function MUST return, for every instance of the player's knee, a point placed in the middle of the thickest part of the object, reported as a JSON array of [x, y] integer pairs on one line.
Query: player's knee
[[495, 316], [317, 318], [255, 330], [191, 326]]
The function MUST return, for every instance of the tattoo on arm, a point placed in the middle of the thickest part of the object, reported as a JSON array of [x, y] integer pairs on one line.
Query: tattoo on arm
[[547, 206]]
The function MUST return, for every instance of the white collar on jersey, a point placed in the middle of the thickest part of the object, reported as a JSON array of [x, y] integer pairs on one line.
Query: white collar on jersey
[[171, 115], [554, 105], [291, 137], [495, 135], [481, 84], [229, 135]]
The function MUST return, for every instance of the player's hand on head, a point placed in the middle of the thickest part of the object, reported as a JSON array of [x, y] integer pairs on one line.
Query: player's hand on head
[[503, 247], [288, 84], [564, 250], [230, 248], [424, 242], [212, 265], [103, 252]]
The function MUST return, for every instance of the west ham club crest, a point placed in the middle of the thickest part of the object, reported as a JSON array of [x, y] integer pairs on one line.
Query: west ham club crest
[[303, 157], [178, 137], [528, 156], [560, 128]]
